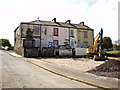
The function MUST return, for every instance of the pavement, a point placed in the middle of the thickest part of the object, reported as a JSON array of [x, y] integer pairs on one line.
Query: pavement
[[88, 78], [115, 58]]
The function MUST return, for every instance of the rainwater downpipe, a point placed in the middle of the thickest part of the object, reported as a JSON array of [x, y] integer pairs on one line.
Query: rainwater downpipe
[[40, 39], [69, 35]]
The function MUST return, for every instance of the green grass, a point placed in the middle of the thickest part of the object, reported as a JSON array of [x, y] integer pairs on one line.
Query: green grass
[[112, 52]]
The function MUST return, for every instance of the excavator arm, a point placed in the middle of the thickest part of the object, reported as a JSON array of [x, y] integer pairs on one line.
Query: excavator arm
[[95, 46]]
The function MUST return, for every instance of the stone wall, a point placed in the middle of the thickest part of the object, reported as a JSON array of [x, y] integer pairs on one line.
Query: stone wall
[[31, 52], [48, 51]]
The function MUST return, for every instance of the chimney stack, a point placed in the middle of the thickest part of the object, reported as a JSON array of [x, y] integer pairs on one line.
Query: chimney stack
[[68, 21], [82, 23], [54, 20]]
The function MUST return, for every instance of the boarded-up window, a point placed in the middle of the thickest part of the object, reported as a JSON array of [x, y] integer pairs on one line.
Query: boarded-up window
[[37, 42], [86, 45], [85, 34], [80, 44], [55, 31], [28, 43], [55, 43], [71, 33], [72, 43], [36, 30]]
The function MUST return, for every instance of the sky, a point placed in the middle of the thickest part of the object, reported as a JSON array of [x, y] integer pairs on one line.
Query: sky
[[96, 14]]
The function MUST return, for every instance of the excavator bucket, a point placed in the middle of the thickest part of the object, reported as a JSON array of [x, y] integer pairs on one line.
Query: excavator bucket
[[100, 58]]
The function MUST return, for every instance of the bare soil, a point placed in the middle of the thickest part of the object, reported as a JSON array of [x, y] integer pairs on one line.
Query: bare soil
[[79, 64], [110, 68]]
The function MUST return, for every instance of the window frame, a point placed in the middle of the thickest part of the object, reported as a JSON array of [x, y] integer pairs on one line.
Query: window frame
[[72, 33], [85, 34], [55, 31]]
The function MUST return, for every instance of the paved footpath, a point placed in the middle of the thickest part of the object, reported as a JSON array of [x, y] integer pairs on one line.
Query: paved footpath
[[98, 81]]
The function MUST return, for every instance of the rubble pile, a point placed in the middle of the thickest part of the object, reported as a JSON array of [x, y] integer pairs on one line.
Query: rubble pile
[[110, 68]]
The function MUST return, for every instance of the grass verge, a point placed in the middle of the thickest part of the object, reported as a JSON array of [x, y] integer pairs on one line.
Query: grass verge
[[113, 52]]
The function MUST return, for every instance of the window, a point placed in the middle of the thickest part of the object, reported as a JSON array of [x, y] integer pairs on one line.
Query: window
[[86, 45], [55, 31], [55, 43], [72, 43], [36, 31], [79, 44], [85, 34], [71, 33], [37, 42], [28, 43]]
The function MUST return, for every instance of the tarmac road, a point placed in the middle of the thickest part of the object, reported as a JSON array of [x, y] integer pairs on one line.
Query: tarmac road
[[16, 73]]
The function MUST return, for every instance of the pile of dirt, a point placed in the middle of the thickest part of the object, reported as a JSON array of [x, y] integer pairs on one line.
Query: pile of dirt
[[110, 68]]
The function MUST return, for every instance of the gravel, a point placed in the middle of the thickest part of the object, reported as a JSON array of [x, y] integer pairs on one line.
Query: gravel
[[79, 64], [110, 68]]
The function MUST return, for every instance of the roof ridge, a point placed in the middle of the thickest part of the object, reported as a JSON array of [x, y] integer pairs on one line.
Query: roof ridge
[[62, 24]]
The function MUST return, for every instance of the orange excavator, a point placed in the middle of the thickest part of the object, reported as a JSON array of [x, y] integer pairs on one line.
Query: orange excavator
[[97, 48]]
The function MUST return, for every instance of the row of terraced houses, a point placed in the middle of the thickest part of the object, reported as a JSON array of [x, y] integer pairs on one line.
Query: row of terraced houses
[[31, 38]]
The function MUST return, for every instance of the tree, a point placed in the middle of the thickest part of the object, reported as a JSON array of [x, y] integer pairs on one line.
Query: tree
[[116, 45], [0, 44], [107, 43], [4, 43]]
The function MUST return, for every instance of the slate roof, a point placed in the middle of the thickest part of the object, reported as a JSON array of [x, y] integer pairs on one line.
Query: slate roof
[[60, 24]]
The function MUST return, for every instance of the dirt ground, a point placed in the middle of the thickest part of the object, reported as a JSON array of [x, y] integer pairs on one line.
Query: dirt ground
[[80, 64], [108, 68]]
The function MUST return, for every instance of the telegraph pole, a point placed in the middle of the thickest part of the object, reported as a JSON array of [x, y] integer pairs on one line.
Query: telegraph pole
[[100, 48]]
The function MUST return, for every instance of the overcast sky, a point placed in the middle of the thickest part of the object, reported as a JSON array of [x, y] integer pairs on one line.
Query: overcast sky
[[96, 14]]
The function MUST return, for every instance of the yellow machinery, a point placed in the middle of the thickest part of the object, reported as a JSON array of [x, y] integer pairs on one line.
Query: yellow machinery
[[97, 47]]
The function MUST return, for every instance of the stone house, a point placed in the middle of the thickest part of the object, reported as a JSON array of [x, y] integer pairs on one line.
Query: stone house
[[31, 37]]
